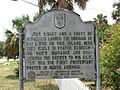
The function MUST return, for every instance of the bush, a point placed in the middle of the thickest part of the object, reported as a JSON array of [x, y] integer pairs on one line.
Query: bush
[[16, 70], [110, 59]]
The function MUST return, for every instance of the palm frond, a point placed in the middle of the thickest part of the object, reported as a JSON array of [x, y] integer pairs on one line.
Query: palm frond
[[81, 3]]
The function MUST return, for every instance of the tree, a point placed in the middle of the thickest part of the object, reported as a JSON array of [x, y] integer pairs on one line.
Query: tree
[[1, 49], [110, 59], [18, 22], [57, 4], [101, 20], [11, 47], [116, 11], [11, 44], [102, 27]]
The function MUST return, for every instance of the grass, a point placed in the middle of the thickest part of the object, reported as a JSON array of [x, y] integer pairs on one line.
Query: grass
[[92, 85], [9, 81]]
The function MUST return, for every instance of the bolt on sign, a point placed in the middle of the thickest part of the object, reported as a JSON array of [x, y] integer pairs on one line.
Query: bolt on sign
[[59, 45]]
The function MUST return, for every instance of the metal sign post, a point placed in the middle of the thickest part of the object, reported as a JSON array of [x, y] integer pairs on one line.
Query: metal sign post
[[97, 62], [21, 87]]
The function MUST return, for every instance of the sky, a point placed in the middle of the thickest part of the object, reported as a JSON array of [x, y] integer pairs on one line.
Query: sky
[[9, 10]]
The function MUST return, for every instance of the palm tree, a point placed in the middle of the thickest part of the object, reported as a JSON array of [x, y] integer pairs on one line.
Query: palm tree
[[11, 46], [102, 25], [101, 20], [18, 22], [57, 4], [1, 49]]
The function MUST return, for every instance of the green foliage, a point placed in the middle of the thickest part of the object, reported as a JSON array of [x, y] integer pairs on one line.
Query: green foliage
[[16, 71], [104, 34], [102, 27], [18, 22], [101, 20], [1, 49], [11, 46], [116, 11], [110, 59]]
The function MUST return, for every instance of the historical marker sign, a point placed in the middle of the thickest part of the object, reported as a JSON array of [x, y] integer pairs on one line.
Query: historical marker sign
[[59, 45]]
